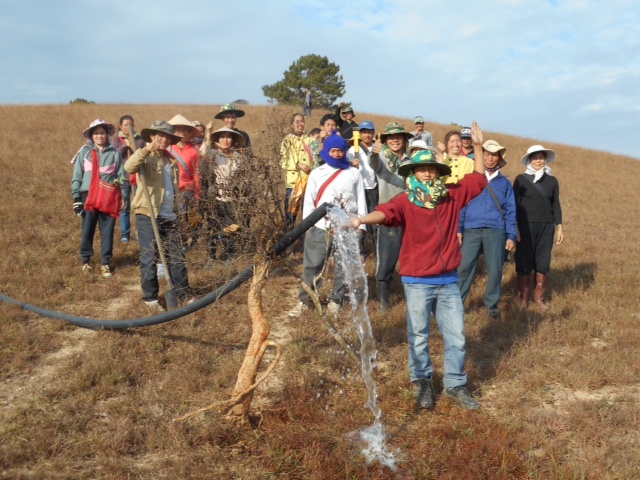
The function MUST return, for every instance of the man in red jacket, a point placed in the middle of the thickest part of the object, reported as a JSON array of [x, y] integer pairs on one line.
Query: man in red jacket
[[429, 213], [188, 158]]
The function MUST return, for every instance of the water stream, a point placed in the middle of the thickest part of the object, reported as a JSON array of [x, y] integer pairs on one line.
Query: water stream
[[348, 254]]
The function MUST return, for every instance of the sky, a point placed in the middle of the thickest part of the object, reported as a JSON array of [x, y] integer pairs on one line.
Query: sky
[[555, 71]]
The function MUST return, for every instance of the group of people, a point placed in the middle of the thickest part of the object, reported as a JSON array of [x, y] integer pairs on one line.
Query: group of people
[[435, 210], [161, 174]]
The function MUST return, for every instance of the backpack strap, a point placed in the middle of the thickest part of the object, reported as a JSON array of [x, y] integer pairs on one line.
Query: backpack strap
[[178, 157], [495, 199], [325, 185]]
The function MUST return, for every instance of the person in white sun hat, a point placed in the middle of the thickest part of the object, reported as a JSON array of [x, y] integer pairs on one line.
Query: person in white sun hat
[[537, 196]]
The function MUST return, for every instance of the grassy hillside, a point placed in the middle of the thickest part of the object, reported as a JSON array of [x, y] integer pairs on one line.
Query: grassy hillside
[[559, 389]]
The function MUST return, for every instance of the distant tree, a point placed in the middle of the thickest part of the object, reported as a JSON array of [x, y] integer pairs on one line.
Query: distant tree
[[81, 101], [240, 101], [309, 71]]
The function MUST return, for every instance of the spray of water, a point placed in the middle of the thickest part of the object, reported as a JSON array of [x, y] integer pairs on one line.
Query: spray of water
[[348, 254]]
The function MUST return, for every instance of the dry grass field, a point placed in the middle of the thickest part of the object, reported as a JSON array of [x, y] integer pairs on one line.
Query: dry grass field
[[559, 389]]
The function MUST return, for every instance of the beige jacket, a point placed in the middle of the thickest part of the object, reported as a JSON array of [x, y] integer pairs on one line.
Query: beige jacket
[[152, 164]]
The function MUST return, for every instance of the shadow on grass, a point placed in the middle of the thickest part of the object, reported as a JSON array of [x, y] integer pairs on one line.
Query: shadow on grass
[[576, 277], [496, 338]]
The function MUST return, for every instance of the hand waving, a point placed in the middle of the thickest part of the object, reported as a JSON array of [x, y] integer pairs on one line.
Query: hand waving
[[476, 133]]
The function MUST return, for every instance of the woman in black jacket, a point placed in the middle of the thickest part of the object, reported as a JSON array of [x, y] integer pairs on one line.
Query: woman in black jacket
[[539, 215]]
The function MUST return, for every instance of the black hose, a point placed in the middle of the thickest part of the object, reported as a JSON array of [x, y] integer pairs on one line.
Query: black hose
[[208, 299]]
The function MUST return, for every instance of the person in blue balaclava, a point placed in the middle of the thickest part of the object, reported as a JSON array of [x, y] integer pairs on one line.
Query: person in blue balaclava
[[336, 182]]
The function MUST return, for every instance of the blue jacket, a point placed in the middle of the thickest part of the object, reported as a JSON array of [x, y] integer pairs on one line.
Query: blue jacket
[[482, 211]]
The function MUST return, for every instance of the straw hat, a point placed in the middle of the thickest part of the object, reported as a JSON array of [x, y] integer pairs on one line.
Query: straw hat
[[239, 142], [179, 120]]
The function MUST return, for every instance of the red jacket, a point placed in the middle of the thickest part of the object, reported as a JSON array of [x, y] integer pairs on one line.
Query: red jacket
[[188, 179], [430, 242]]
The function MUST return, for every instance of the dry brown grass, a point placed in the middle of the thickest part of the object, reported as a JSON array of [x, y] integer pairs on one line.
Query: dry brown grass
[[559, 389]]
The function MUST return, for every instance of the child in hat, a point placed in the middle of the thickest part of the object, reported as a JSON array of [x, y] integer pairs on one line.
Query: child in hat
[[430, 254]]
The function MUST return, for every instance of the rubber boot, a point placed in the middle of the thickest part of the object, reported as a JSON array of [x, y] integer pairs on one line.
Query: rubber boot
[[383, 297], [524, 290], [538, 291]]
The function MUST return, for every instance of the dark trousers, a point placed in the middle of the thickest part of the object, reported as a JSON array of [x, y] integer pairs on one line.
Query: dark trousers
[[371, 197], [287, 197], [533, 253], [219, 217], [388, 252], [107, 225], [316, 252], [170, 237], [490, 242]]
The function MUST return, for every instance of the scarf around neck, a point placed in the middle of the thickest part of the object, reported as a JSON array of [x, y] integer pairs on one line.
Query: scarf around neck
[[537, 174], [393, 161], [426, 194]]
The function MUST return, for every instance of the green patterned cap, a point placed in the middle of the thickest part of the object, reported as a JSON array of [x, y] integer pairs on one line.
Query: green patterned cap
[[394, 128], [423, 157], [229, 108]]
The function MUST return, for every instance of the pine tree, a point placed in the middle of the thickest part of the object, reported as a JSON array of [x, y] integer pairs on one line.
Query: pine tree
[[313, 72]]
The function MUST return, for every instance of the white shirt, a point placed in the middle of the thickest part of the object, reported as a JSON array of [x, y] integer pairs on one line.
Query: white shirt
[[345, 190], [368, 175]]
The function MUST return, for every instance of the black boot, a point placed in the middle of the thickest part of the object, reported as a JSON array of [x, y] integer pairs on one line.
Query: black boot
[[424, 394], [383, 297]]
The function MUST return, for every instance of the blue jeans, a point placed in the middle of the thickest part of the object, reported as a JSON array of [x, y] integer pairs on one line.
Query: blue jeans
[[125, 215], [490, 242], [421, 300]]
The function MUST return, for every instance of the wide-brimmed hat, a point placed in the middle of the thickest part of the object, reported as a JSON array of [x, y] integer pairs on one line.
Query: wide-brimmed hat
[[465, 132], [418, 145], [347, 110], [394, 128], [551, 155], [420, 158], [99, 123], [159, 126], [418, 119], [179, 120], [229, 108], [239, 142], [494, 147]]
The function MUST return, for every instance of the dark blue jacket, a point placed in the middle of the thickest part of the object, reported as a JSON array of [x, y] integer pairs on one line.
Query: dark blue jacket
[[482, 211]]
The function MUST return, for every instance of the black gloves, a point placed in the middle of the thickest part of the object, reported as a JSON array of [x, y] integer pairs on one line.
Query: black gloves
[[78, 208]]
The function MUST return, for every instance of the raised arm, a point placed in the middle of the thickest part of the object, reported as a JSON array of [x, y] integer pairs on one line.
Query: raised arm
[[477, 138]]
